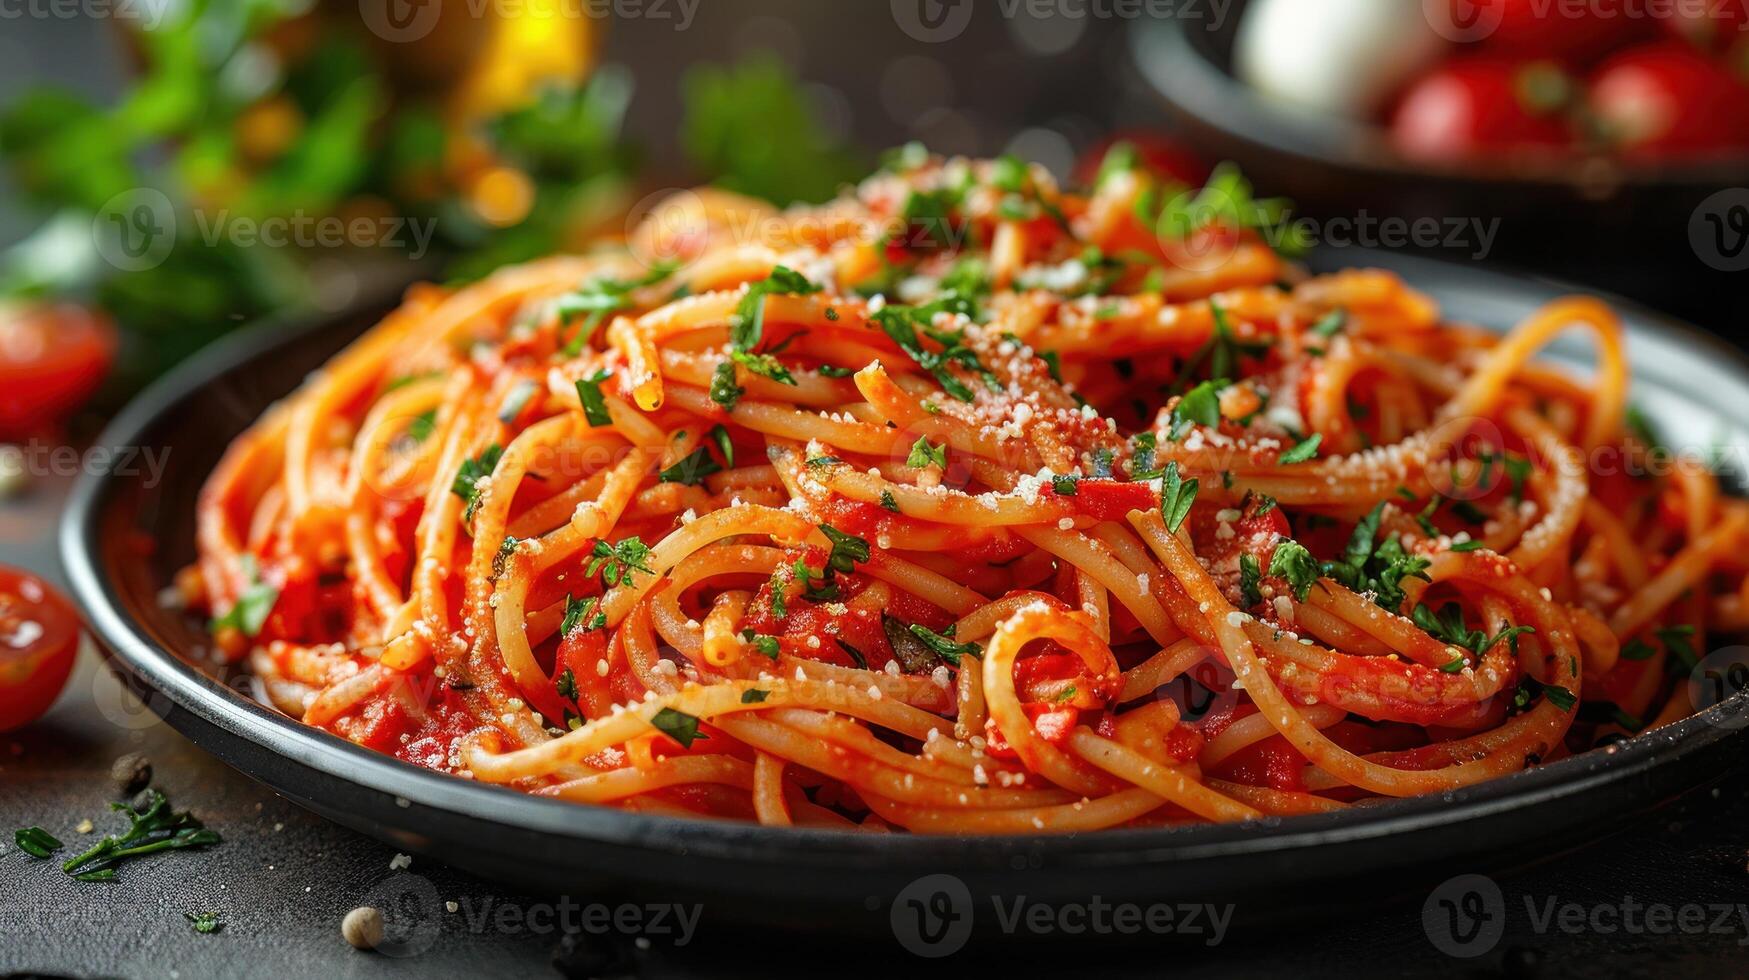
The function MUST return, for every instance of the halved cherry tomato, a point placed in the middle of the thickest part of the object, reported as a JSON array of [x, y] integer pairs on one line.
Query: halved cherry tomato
[[52, 357], [1667, 100], [39, 636], [1477, 105]]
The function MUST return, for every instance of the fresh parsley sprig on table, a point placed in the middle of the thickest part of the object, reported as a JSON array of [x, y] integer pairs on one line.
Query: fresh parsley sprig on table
[[154, 827]]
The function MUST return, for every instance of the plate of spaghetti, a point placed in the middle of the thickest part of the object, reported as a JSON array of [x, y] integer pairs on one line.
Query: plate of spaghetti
[[1078, 523]]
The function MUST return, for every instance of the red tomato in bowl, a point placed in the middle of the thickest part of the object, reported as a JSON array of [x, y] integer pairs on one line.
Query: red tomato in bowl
[[1715, 25], [1669, 101], [1546, 28], [52, 357], [39, 636], [1473, 106]]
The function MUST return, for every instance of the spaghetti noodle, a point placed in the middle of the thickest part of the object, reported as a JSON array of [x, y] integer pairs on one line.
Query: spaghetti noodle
[[964, 504]]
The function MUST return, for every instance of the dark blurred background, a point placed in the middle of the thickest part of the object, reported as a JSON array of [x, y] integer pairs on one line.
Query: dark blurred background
[[173, 169]]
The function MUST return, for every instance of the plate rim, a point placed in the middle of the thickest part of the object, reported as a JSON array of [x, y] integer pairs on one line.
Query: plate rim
[[126, 643]]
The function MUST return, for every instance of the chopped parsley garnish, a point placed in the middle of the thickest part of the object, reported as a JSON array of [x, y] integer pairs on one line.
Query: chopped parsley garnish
[[754, 695], [943, 643], [747, 325], [599, 298], [1053, 364], [205, 923], [1518, 470], [764, 365], [1250, 577], [725, 445], [617, 561], [1222, 351], [847, 550], [1306, 450], [1292, 563], [1227, 199], [1144, 448], [594, 404], [1176, 496], [582, 612], [924, 455], [566, 685], [1331, 323], [1642, 429], [1637, 649], [888, 502], [423, 425], [516, 401], [36, 842], [677, 725], [1560, 697], [472, 471], [834, 371], [1448, 626], [766, 645], [902, 323], [249, 613], [1469, 512], [1121, 157], [1676, 641], [1066, 486], [154, 828], [1199, 406], [822, 461], [505, 550], [692, 470], [724, 390], [1377, 567]]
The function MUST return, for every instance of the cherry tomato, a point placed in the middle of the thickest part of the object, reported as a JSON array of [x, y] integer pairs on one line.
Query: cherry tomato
[[1716, 25], [1478, 105], [52, 356], [39, 635], [1155, 152], [1543, 29], [1667, 100]]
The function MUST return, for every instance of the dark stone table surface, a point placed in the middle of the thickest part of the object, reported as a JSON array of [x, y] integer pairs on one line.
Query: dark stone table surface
[[283, 879]]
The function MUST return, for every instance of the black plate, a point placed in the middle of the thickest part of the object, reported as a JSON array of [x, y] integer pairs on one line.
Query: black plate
[[122, 541]]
